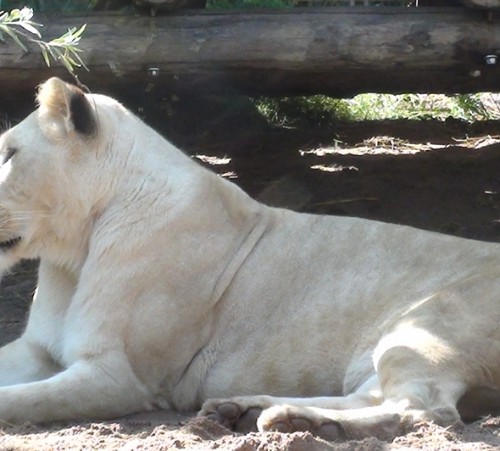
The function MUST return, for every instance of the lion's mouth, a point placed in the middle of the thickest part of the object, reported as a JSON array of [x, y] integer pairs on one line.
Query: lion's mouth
[[9, 244]]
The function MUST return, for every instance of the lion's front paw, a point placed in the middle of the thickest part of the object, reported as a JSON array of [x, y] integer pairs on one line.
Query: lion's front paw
[[293, 419], [237, 416]]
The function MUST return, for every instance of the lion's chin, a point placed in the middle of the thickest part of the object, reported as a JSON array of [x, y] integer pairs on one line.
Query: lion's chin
[[9, 244]]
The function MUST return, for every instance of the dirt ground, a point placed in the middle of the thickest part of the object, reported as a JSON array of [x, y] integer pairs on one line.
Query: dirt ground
[[442, 176]]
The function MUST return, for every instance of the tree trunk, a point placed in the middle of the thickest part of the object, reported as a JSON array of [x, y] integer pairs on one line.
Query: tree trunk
[[335, 51]]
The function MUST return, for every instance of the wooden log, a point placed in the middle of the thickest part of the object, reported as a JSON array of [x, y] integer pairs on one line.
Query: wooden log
[[482, 3], [335, 51], [156, 6]]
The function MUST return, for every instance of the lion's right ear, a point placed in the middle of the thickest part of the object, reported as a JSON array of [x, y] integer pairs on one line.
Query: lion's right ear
[[65, 109]]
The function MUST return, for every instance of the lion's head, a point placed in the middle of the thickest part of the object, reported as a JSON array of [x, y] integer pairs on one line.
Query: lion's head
[[49, 187]]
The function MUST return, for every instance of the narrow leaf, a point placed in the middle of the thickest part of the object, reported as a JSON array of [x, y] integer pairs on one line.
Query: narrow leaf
[[30, 28], [14, 36], [46, 57]]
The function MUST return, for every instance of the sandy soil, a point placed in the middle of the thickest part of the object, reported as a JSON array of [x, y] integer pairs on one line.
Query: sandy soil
[[439, 176]]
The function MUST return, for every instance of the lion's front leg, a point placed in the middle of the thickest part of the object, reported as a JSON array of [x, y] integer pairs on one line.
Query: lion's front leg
[[22, 362], [29, 358], [93, 388]]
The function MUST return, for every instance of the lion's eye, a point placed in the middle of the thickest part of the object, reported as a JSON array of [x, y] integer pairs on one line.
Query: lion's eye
[[11, 151]]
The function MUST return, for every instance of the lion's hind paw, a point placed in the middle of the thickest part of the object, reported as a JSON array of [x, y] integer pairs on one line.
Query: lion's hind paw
[[232, 415], [294, 419]]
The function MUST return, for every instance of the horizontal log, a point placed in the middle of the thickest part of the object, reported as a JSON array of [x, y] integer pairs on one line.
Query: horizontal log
[[482, 3], [335, 51]]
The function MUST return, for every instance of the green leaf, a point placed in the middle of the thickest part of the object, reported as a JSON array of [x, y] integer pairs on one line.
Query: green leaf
[[17, 24], [30, 28], [14, 36], [78, 33], [46, 57], [26, 14], [15, 15]]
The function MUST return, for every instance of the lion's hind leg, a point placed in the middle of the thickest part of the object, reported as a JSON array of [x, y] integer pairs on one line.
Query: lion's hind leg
[[381, 421], [417, 401], [407, 399], [267, 413], [247, 413]]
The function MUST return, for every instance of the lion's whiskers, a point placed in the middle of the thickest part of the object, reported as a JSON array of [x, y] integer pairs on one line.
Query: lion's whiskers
[[5, 124], [21, 217]]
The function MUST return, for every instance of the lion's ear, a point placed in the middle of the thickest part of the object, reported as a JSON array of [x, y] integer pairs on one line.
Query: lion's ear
[[67, 105]]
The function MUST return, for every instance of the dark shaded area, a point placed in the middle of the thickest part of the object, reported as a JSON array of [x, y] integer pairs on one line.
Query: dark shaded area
[[479, 402]]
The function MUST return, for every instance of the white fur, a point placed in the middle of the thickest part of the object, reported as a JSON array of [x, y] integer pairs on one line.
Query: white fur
[[161, 284]]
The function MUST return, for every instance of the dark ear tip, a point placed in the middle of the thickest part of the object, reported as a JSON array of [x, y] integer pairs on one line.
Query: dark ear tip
[[81, 113]]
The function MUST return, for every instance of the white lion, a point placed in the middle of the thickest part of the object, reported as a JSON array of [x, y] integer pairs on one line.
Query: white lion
[[162, 285]]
